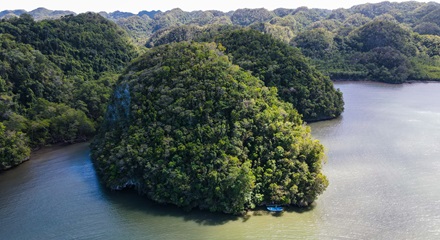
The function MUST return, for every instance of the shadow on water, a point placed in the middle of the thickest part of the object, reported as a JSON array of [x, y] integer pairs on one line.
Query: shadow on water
[[129, 200], [300, 210]]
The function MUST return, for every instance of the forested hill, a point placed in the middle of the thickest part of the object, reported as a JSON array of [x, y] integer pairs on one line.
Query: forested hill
[[186, 126], [388, 42], [55, 79], [276, 63], [362, 42]]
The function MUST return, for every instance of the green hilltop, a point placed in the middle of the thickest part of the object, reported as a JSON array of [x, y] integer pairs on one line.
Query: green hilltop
[[201, 109], [186, 126]]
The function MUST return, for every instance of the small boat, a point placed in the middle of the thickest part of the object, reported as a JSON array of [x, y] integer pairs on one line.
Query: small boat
[[274, 208]]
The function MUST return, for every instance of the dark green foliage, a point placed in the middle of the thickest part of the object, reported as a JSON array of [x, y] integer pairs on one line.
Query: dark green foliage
[[175, 34], [433, 16], [30, 74], [384, 34], [85, 45], [55, 79], [386, 64], [13, 148], [187, 33], [337, 41], [276, 63], [305, 17], [284, 67], [137, 27], [185, 126], [356, 20], [427, 28]]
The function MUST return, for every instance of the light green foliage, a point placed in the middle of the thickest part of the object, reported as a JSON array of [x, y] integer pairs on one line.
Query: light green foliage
[[137, 27], [282, 33], [59, 122], [245, 17], [185, 126]]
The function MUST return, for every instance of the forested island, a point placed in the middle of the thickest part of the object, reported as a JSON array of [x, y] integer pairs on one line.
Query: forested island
[[186, 126], [201, 109]]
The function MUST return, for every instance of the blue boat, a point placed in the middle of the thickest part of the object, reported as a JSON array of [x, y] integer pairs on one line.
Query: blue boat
[[274, 208]]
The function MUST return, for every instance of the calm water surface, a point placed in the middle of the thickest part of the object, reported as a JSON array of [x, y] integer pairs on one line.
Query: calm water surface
[[383, 166]]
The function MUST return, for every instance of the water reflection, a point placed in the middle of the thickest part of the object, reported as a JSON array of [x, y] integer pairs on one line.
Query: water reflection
[[383, 167]]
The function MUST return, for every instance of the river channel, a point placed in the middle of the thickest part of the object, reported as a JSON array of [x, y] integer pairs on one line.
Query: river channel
[[383, 164]]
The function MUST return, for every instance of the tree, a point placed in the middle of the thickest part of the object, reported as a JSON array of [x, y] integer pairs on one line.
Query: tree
[[316, 43], [13, 148], [185, 126]]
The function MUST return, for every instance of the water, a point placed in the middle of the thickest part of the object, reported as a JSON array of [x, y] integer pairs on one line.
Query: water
[[383, 163], [383, 166]]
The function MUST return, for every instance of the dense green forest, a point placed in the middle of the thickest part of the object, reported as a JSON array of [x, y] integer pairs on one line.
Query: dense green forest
[[188, 127], [388, 41], [274, 62], [211, 116], [184, 124], [55, 80]]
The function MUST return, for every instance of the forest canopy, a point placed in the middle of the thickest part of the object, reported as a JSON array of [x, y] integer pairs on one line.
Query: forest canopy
[[340, 43], [55, 79], [186, 126], [273, 61]]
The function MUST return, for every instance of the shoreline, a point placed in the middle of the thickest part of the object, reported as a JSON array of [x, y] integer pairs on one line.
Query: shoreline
[[405, 82], [39, 150]]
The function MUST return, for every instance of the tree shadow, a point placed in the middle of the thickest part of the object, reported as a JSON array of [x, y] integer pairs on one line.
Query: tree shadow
[[129, 200], [300, 210]]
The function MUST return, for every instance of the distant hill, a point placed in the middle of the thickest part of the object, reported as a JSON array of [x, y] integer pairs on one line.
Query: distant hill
[[37, 14], [387, 42], [44, 13], [11, 13]]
